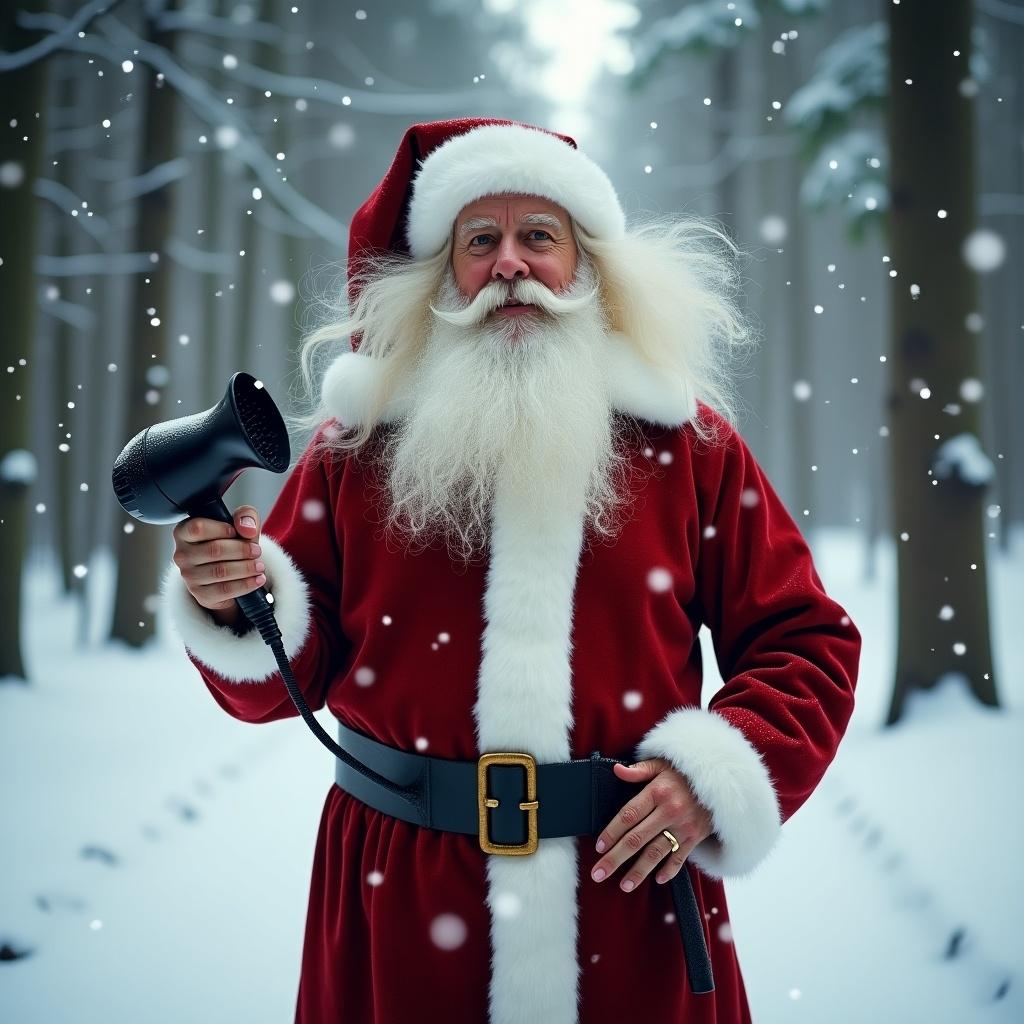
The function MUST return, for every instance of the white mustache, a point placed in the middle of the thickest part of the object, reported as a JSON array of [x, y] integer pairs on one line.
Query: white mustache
[[494, 295]]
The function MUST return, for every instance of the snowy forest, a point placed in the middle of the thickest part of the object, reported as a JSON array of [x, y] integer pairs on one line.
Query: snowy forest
[[176, 183]]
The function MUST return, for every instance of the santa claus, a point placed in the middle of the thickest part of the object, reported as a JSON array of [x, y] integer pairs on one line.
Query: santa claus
[[522, 499]]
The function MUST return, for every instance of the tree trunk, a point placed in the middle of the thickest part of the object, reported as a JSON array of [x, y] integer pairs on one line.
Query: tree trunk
[[942, 560], [69, 538], [141, 551], [21, 139]]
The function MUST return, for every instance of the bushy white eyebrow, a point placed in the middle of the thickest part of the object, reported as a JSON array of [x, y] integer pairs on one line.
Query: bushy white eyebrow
[[476, 223]]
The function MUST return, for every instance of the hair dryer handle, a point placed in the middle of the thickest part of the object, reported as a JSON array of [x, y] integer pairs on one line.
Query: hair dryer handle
[[215, 509], [254, 605]]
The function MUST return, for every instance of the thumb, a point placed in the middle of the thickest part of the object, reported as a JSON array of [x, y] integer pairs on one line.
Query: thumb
[[635, 772], [247, 522]]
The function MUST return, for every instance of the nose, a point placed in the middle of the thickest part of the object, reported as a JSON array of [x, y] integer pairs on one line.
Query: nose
[[508, 262]]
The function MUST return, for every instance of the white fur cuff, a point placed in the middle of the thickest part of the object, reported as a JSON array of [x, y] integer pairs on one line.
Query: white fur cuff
[[729, 779], [245, 658]]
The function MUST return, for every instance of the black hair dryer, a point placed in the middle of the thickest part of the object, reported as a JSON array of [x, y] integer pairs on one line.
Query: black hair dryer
[[180, 468]]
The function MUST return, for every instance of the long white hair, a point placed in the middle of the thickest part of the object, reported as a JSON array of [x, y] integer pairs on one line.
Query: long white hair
[[671, 287]]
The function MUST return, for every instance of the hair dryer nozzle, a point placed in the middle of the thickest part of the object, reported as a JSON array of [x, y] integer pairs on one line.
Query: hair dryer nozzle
[[182, 467]]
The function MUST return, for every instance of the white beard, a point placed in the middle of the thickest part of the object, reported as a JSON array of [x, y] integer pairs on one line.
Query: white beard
[[521, 398]]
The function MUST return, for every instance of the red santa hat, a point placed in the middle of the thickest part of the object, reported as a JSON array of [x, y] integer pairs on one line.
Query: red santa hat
[[441, 166]]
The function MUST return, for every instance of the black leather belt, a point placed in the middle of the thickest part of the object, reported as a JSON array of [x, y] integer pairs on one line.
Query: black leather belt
[[510, 803]]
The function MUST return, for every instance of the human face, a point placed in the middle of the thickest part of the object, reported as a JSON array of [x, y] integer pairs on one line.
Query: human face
[[509, 237]]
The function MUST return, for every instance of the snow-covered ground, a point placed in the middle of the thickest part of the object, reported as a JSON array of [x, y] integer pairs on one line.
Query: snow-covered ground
[[156, 852]]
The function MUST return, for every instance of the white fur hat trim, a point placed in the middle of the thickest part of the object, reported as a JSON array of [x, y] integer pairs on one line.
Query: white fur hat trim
[[498, 158]]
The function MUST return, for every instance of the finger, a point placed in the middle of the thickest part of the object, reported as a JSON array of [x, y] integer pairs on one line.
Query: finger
[[247, 522], [673, 863], [633, 842], [636, 809], [651, 858], [220, 595], [198, 530], [641, 770], [628, 817], [225, 570], [222, 550]]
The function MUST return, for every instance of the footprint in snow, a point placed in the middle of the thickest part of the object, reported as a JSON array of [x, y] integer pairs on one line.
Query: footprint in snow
[[99, 853], [10, 950]]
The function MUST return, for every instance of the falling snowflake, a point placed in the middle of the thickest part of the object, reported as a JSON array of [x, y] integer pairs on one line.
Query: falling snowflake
[[313, 510], [11, 174], [774, 229], [18, 466], [448, 931], [157, 376], [341, 135], [365, 675], [507, 905], [971, 389], [659, 579], [984, 250], [282, 292], [227, 136]]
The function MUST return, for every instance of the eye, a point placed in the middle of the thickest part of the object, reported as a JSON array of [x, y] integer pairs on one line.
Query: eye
[[475, 237], [539, 231]]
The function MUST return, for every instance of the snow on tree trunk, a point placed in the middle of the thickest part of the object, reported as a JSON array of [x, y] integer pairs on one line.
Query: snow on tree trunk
[[21, 138], [141, 551], [934, 394]]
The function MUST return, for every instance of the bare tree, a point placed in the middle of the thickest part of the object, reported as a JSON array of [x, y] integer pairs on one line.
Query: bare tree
[[21, 144], [938, 472], [140, 552]]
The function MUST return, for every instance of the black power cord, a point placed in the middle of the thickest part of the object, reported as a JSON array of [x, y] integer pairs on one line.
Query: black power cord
[[259, 612]]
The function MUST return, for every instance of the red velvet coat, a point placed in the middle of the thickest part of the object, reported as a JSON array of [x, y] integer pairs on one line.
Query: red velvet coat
[[556, 647]]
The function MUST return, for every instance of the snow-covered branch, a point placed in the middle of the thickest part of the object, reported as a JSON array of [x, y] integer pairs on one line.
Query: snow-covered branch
[[207, 105], [77, 139], [86, 264], [80, 317], [58, 39], [1002, 10], [223, 28], [153, 179], [409, 103], [338, 46], [63, 198], [198, 260], [737, 150], [697, 27], [273, 217]]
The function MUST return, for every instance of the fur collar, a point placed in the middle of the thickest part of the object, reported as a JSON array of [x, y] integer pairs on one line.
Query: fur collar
[[636, 388]]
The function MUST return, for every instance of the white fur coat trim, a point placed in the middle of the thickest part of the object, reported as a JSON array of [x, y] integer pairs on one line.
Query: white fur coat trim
[[501, 158], [242, 659], [524, 703], [635, 387], [729, 779]]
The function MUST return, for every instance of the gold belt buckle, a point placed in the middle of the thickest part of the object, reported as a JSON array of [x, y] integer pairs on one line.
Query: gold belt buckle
[[530, 804]]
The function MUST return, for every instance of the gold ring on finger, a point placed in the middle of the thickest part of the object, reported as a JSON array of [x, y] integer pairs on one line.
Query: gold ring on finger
[[671, 838]]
